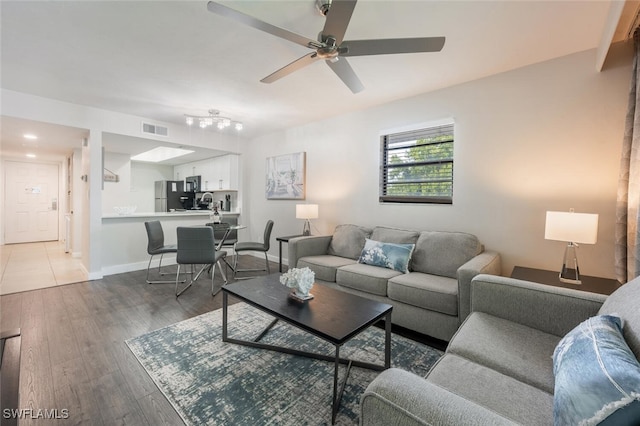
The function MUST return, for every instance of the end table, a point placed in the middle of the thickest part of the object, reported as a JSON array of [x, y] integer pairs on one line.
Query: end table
[[281, 240], [591, 284]]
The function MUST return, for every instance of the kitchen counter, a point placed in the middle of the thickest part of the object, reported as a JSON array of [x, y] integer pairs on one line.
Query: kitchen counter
[[124, 237], [160, 215]]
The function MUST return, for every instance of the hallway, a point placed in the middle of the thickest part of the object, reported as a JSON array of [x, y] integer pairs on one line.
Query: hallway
[[33, 266]]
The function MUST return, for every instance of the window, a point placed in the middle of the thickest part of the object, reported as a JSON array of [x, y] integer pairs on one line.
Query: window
[[417, 166]]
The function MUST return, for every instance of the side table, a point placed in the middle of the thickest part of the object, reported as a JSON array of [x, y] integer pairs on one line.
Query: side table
[[281, 240], [591, 284]]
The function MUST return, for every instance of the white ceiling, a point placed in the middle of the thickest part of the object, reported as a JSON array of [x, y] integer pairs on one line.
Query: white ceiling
[[164, 59]]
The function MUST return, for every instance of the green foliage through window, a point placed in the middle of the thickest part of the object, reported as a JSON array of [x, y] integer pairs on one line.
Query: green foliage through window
[[417, 166]]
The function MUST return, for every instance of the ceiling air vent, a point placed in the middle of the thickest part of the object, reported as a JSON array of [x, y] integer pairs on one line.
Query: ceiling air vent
[[154, 129]]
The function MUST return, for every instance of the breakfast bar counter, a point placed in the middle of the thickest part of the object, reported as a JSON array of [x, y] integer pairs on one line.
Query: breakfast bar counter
[[124, 237], [162, 215]]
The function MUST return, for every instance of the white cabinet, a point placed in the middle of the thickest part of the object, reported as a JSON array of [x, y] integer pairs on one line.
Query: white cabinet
[[182, 171], [216, 173], [224, 173]]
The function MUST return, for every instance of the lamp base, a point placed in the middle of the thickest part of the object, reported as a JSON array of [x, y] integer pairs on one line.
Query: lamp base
[[569, 274], [568, 280], [306, 229]]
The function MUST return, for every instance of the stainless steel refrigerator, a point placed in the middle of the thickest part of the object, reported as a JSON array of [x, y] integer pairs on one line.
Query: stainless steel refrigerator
[[169, 195]]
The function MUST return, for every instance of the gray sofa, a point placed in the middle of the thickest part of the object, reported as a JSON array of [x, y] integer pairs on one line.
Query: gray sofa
[[432, 298], [498, 369]]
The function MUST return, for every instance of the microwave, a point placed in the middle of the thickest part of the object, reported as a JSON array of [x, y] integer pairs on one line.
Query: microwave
[[192, 184]]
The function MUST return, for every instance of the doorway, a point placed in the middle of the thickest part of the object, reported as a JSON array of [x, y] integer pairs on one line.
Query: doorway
[[31, 202]]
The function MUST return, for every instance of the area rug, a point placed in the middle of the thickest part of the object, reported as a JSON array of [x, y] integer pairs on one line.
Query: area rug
[[210, 382]]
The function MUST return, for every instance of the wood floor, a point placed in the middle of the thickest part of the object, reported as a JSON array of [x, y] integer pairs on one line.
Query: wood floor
[[73, 352]]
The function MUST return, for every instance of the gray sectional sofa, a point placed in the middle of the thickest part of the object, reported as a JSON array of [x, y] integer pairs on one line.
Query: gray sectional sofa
[[432, 297], [502, 366]]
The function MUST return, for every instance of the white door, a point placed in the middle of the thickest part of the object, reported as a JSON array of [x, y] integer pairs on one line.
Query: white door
[[31, 202]]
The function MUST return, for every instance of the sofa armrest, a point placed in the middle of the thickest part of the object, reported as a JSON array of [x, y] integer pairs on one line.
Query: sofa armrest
[[487, 262], [554, 310], [307, 246], [397, 397]]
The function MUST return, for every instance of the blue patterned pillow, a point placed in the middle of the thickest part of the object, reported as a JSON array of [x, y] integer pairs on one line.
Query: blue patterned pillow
[[597, 377], [387, 255]]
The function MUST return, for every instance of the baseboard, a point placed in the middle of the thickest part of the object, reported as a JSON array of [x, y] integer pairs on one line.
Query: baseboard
[[260, 255], [171, 260], [95, 276]]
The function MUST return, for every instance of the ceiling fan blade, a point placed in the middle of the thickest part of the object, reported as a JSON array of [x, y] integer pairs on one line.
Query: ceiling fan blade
[[293, 66], [260, 25], [342, 68], [391, 46], [338, 19]]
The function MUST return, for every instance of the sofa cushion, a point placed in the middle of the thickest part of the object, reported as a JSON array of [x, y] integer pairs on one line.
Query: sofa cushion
[[367, 278], [597, 376], [394, 235], [442, 253], [516, 350], [324, 266], [348, 241], [426, 291], [398, 397], [624, 303], [520, 402], [387, 255]]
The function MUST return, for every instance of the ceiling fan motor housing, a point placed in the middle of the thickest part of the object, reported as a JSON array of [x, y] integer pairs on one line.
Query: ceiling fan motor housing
[[328, 49]]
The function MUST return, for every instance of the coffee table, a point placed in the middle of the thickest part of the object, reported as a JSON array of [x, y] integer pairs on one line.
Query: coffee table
[[332, 315]]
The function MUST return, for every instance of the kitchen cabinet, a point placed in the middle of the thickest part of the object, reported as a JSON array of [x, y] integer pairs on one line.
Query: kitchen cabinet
[[217, 173]]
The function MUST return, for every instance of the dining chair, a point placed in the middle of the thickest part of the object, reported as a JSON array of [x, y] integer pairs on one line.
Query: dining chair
[[232, 237], [155, 246], [196, 246], [254, 246]]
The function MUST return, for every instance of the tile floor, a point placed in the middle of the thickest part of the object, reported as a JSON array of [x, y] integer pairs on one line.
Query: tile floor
[[32, 266]]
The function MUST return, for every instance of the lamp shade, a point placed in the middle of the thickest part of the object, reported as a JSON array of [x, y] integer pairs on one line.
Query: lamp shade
[[572, 227], [306, 211]]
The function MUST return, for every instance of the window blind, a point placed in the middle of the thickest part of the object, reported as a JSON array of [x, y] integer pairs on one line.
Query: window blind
[[417, 166]]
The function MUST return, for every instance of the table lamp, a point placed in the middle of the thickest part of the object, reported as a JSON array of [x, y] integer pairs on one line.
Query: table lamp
[[306, 212], [573, 228]]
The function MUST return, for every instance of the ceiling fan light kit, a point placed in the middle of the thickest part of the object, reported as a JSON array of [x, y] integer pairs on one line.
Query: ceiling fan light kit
[[330, 45], [214, 117]]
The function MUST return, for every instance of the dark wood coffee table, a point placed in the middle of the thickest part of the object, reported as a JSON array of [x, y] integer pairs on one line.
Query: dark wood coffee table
[[332, 315]]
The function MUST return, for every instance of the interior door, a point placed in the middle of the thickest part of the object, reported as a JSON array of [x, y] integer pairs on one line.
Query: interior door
[[31, 202]]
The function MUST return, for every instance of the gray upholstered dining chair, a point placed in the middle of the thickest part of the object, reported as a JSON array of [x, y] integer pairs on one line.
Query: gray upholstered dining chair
[[254, 246], [197, 246], [232, 238], [155, 246]]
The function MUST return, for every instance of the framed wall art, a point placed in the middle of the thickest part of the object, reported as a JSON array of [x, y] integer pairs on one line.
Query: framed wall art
[[286, 177]]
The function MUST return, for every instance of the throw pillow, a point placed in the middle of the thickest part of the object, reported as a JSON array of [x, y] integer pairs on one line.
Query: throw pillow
[[348, 240], [387, 255], [597, 377]]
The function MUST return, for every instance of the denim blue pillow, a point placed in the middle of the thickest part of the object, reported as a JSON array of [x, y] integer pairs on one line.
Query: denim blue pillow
[[387, 255], [597, 377]]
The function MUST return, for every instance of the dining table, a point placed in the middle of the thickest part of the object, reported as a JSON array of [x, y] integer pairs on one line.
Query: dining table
[[227, 228]]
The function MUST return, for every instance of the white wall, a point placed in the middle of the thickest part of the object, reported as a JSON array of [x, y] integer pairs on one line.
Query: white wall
[[143, 178], [135, 186], [543, 137], [76, 194], [117, 193]]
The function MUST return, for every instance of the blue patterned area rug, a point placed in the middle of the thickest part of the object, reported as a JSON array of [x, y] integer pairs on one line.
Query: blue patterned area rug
[[210, 382]]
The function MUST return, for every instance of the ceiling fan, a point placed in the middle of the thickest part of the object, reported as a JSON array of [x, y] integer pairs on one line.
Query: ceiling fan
[[330, 45]]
